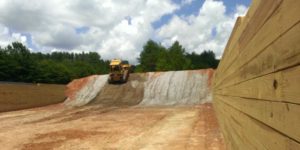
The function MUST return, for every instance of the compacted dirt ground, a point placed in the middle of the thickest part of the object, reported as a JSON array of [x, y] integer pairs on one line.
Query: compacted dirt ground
[[98, 127], [16, 96]]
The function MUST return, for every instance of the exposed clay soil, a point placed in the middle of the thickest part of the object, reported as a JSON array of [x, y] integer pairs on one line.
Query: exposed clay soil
[[97, 127], [16, 96]]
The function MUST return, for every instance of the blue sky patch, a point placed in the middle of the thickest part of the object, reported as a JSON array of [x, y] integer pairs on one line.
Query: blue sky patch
[[193, 9], [82, 30]]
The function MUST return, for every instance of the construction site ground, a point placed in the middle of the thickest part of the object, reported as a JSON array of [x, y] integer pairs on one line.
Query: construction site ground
[[98, 127]]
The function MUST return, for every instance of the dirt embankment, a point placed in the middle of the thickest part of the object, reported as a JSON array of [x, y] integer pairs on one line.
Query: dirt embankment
[[118, 116], [177, 88], [128, 94], [154, 88], [147, 89], [16, 96], [81, 91]]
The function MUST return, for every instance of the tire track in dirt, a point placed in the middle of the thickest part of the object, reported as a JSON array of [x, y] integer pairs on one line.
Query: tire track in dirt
[[165, 133]]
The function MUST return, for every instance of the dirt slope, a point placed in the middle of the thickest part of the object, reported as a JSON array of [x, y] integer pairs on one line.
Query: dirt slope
[[147, 89], [128, 94]]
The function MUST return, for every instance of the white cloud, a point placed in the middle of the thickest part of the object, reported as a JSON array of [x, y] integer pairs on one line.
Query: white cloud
[[116, 28], [240, 10], [208, 30], [126, 39], [7, 38]]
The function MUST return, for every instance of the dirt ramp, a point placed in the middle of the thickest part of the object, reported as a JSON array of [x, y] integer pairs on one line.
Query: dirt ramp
[[128, 94], [81, 91], [178, 88], [145, 89]]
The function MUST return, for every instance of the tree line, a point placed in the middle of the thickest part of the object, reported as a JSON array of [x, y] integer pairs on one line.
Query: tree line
[[156, 57], [18, 64]]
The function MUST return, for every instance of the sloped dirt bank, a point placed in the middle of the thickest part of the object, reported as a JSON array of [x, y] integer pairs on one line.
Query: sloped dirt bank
[[145, 89], [128, 94], [177, 88], [81, 91]]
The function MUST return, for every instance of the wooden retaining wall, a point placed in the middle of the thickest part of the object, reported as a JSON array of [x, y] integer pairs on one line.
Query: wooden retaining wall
[[256, 87]]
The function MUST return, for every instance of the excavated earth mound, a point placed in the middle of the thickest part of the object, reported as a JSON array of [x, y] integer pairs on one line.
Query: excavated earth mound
[[144, 89], [110, 118], [81, 91]]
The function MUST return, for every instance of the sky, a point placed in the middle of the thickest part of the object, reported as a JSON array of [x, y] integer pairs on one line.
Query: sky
[[118, 28]]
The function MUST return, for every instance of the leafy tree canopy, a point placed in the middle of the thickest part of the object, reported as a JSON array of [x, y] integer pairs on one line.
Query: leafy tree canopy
[[18, 64], [155, 57]]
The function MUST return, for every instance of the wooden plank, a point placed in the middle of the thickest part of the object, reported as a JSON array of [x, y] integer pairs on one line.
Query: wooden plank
[[285, 17], [266, 9], [253, 22], [281, 86], [235, 134], [234, 35], [259, 74], [238, 29], [232, 134], [252, 132], [272, 30], [225, 54], [222, 126], [283, 53], [283, 117]]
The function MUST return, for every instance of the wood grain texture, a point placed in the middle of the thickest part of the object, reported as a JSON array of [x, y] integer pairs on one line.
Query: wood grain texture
[[279, 23], [236, 32], [256, 88], [282, 86], [283, 117], [246, 133], [283, 53]]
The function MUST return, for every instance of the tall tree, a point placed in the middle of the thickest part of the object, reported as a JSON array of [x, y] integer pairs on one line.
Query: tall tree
[[149, 56], [206, 59], [178, 60], [155, 57]]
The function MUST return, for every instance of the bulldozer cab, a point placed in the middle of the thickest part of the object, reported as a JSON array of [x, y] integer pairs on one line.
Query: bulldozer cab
[[119, 71], [115, 68], [125, 65]]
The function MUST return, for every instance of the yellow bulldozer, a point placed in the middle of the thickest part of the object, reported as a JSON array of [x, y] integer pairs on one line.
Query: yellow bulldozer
[[119, 71]]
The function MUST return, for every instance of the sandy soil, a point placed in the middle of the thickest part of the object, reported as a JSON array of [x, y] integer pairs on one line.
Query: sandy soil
[[96, 127]]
